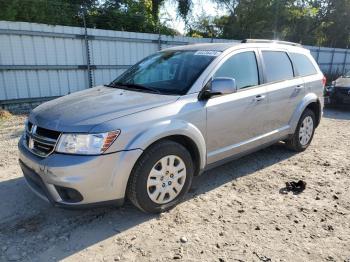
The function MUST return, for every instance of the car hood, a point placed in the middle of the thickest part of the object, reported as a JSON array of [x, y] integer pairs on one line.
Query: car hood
[[81, 111], [342, 82]]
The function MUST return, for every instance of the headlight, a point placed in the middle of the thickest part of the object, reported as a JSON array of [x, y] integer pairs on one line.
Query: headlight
[[86, 144]]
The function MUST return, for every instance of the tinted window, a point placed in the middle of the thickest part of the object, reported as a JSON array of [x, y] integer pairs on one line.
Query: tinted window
[[277, 66], [169, 72], [242, 67], [303, 64]]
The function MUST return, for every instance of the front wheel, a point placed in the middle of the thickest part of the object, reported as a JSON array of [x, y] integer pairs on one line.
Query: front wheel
[[161, 177], [304, 132]]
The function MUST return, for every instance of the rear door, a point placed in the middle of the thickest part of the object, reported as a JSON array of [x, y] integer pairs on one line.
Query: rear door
[[236, 121], [284, 89]]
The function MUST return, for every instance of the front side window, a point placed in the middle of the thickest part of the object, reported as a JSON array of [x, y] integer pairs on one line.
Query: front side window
[[303, 64], [278, 66], [242, 67], [169, 72]]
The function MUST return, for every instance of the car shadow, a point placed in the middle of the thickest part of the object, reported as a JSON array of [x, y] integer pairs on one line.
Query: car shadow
[[339, 112], [50, 232], [244, 166]]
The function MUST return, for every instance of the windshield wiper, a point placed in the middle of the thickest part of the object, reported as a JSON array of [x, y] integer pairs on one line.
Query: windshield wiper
[[110, 85], [134, 86]]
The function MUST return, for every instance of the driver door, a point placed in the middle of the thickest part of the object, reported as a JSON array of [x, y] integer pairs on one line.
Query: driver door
[[235, 122]]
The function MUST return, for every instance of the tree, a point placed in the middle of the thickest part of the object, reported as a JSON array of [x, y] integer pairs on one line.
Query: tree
[[62, 12], [313, 22], [335, 27]]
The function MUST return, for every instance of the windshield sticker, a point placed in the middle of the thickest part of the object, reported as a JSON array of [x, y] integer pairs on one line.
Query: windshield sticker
[[208, 53]]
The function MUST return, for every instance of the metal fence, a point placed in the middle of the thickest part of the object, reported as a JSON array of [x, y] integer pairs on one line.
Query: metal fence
[[39, 61]]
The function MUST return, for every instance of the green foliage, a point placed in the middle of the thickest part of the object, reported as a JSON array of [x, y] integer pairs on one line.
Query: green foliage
[[124, 15], [43, 11], [312, 22]]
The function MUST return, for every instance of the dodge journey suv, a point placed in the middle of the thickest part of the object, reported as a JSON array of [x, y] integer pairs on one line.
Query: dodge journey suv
[[168, 118]]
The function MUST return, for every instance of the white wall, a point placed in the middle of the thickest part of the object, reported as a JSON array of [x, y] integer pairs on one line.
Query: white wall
[[38, 60]]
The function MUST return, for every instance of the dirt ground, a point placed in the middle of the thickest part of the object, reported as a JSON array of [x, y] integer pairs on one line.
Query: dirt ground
[[232, 213]]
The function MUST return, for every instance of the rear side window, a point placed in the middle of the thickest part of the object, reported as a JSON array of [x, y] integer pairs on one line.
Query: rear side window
[[242, 67], [303, 64], [278, 66]]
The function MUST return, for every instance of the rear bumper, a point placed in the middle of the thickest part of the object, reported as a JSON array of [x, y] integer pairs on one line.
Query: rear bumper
[[78, 181]]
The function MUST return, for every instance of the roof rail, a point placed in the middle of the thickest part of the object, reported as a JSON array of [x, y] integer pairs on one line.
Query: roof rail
[[269, 41]]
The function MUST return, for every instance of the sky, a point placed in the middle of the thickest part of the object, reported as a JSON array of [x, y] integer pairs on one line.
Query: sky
[[200, 7]]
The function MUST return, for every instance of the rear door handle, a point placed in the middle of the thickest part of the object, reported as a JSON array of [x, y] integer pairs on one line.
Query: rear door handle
[[259, 98]]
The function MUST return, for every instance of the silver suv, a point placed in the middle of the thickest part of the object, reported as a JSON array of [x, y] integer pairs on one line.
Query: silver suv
[[168, 118]]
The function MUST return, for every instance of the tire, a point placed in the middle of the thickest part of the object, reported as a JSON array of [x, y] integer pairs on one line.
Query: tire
[[156, 166], [298, 142]]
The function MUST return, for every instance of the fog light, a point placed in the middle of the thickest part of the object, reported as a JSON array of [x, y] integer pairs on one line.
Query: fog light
[[69, 194]]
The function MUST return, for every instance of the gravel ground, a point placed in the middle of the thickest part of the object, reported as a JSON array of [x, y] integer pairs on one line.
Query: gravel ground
[[232, 213]]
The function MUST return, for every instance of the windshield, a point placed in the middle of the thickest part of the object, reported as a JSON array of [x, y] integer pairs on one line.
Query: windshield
[[347, 75], [169, 72]]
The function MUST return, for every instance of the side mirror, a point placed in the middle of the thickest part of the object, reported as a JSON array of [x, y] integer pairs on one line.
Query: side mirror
[[219, 86]]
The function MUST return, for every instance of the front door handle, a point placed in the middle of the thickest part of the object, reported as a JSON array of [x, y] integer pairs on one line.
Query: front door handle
[[259, 98]]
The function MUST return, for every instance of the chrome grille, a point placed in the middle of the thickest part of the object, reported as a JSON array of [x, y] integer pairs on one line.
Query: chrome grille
[[40, 141]]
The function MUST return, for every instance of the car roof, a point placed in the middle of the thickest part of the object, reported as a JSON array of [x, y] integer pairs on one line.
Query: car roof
[[221, 47]]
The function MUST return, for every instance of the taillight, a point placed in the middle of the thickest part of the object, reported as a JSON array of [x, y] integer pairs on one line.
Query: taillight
[[324, 81]]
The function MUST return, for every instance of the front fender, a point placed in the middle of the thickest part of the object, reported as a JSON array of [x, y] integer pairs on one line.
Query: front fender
[[169, 128], [308, 99]]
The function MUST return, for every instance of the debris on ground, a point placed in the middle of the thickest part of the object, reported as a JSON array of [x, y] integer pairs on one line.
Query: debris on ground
[[294, 187], [4, 114]]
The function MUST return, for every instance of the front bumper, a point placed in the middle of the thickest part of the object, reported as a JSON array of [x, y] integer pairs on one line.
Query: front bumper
[[92, 179], [338, 96]]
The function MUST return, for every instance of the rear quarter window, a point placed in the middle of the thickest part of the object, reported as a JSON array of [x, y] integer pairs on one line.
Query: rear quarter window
[[278, 66], [303, 64]]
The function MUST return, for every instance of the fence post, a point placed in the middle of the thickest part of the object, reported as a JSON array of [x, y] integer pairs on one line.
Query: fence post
[[331, 67], [318, 54], [87, 52], [344, 63], [159, 42]]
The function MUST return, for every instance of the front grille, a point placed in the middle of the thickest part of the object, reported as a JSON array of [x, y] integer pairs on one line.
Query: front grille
[[40, 141]]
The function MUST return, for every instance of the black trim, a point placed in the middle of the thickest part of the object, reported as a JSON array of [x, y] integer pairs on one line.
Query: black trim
[[259, 62], [115, 203], [295, 71]]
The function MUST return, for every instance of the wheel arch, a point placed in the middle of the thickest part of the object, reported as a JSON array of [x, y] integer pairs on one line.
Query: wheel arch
[[191, 147], [310, 101], [316, 108], [181, 132]]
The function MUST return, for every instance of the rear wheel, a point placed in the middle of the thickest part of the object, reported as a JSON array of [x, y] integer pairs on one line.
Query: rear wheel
[[304, 132], [161, 177]]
